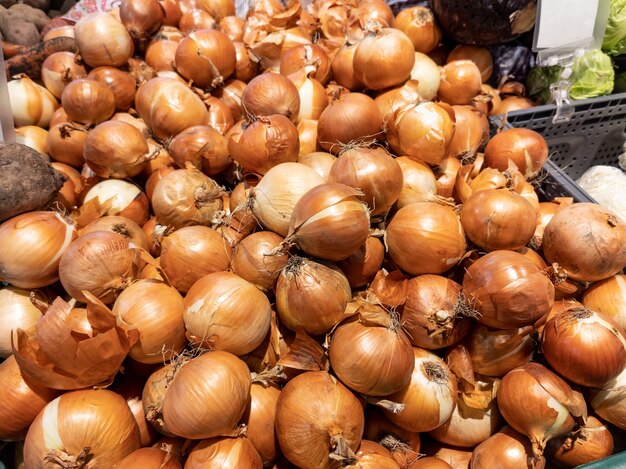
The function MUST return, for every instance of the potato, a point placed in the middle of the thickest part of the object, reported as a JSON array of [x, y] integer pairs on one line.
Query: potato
[[33, 15], [18, 30]]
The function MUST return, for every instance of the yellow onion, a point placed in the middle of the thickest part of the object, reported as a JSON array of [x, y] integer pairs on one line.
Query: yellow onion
[[429, 398], [117, 197], [544, 215], [168, 107], [361, 266], [202, 146], [507, 448], [225, 312], [374, 172], [495, 352], [232, 26], [271, 93], [303, 55], [318, 421], [608, 297], [227, 453], [59, 31], [370, 353], [425, 238], [383, 58], [17, 311], [160, 55], [195, 20], [220, 116], [59, 117], [479, 55], [471, 132], [206, 58], [59, 69], [137, 122], [512, 103], [194, 405], [584, 346], [419, 24], [460, 82], [587, 241], [539, 404], [311, 296], [21, 401], [192, 252], [276, 195], [230, 94], [524, 148], [31, 104], [368, 11], [432, 315], [422, 131], [33, 245], [498, 219], [418, 184], [121, 84], [609, 402], [312, 94], [88, 101], [65, 144], [103, 40], [431, 462], [34, 137], [259, 417], [586, 445], [101, 263], [342, 67], [329, 222], [186, 197], [371, 455], [319, 161], [265, 143], [427, 75], [156, 311], [447, 172], [246, 68], [307, 134], [89, 425], [507, 290], [348, 118], [142, 18], [153, 394], [254, 261], [390, 100], [120, 225], [218, 8], [150, 458]]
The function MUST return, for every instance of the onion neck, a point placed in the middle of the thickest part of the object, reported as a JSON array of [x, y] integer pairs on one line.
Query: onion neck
[[340, 450], [67, 461]]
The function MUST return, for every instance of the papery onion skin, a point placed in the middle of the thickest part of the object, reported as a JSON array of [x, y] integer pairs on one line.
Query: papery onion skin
[[506, 448], [479, 55], [430, 462], [471, 132], [525, 148], [103, 40], [591, 443], [609, 298], [142, 18], [33, 244], [226, 453], [425, 238], [609, 403], [204, 147], [313, 413], [119, 197], [254, 261], [390, 100], [584, 346], [404, 445], [495, 352], [418, 183], [22, 399], [371, 455], [586, 240], [342, 67], [320, 161], [89, 422], [203, 381], [299, 56]]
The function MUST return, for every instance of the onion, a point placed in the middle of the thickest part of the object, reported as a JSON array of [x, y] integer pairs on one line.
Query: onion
[[194, 405], [230, 94], [425, 238], [101, 263], [507, 448], [430, 462], [312, 94], [525, 148], [271, 93], [220, 115], [31, 104], [121, 84], [142, 18], [276, 195], [479, 55], [361, 266], [609, 298], [59, 116], [588, 444], [307, 134], [374, 172], [254, 261], [103, 40], [225, 312], [232, 26], [329, 222], [33, 244], [89, 425], [447, 171], [160, 55], [186, 197], [495, 352], [427, 75], [206, 58], [155, 177], [191, 253], [120, 198], [59, 69], [419, 24], [404, 445], [609, 402], [303, 55], [138, 123], [218, 8], [149, 458], [228, 453], [202, 146], [59, 31], [418, 183], [584, 346], [311, 296], [246, 68], [498, 219], [259, 418], [319, 161], [507, 290], [370, 353], [120, 225], [318, 420], [383, 58], [342, 67], [512, 103], [65, 144], [421, 131], [153, 394], [17, 311], [21, 400], [88, 101], [369, 11], [539, 404], [430, 397], [432, 314], [265, 143], [460, 82], [371, 455], [34, 137], [351, 117], [586, 240], [168, 107], [471, 132]]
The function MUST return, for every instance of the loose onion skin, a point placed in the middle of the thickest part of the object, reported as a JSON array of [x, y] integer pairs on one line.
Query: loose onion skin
[[592, 443], [495, 352], [609, 402], [295, 58], [508, 290], [103, 40], [96, 425], [207, 377], [525, 148], [202, 146], [226, 453], [507, 448], [254, 261], [311, 296], [271, 93], [419, 24], [206, 57], [119, 197], [609, 298], [496, 219], [571, 345], [425, 238], [404, 445], [34, 243], [59, 69], [586, 240], [316, 418], [471, 132]]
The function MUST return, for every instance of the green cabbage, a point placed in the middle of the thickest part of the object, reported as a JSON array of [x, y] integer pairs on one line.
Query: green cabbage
[[615, 34], [592, 75]]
